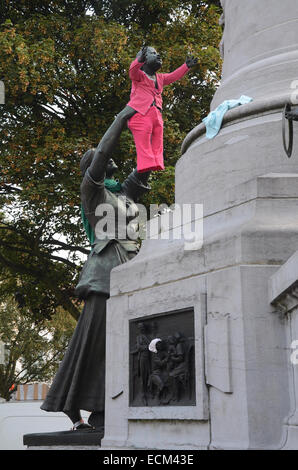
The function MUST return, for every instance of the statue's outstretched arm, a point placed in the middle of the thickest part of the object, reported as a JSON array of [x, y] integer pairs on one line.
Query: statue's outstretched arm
[[108, 143]]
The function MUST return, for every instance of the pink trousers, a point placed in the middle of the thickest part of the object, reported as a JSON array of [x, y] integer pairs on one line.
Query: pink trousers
[[148, 136]]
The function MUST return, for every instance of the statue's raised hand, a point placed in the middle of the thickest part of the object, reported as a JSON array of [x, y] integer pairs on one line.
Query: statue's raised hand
[[141, 55], [191, 61]]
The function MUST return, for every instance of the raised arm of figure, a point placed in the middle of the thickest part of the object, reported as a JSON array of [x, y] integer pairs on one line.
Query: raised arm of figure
[[108, 143]]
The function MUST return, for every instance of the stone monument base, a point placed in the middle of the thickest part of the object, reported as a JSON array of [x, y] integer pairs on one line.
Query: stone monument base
[[235, 340]]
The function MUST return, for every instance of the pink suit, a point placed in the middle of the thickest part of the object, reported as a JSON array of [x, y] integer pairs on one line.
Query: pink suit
[[147, 124]]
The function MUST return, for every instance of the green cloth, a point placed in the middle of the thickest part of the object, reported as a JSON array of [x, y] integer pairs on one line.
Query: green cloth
[[88, 229], [113, 186]]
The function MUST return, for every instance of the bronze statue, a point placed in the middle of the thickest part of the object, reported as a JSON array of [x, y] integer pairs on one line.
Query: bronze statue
[[146, 98], [179, 367], [158, 381], [142, 343], [80, 381]]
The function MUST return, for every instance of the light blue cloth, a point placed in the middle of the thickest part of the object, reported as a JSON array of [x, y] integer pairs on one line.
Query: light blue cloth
[[214, 119]]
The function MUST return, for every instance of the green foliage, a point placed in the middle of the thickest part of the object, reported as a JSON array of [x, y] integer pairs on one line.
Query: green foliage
[[33, 350], [66, 77]]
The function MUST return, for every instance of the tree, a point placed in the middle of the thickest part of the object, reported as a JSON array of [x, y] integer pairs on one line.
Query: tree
[[33, 349], [66, 77]]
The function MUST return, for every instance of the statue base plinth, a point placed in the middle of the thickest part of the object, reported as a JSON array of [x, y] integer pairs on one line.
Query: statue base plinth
[[89, 439]]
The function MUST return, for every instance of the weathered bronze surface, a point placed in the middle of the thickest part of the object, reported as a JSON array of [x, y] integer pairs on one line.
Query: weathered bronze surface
[[165, 377]]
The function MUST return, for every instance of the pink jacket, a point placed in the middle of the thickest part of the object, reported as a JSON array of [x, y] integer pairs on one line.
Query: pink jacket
[[143, 91]]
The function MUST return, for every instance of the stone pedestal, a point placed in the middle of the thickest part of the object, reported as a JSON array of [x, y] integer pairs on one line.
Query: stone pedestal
[[241, 343], [249, 191], [260, 49], [283, 295]]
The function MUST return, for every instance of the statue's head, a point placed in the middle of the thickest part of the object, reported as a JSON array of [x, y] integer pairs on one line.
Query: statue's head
[[87, 158], [153, 59], [171, 340], [161, 346], [178, 337], [111, 168]]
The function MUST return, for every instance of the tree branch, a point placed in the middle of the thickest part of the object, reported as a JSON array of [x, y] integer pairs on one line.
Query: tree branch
[[64, 260], [31, 377], [62, 298], [52, 241], [9, 189]]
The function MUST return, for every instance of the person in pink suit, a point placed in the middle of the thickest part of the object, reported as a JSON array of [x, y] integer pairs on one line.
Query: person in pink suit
[[142, 114], [146, 124]]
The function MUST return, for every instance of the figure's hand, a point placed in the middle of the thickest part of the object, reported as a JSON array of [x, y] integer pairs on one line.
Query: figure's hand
[[191, 61], [141, 55]]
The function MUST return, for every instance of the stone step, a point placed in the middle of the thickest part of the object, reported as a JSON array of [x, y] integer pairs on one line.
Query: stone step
[[64, 439]]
